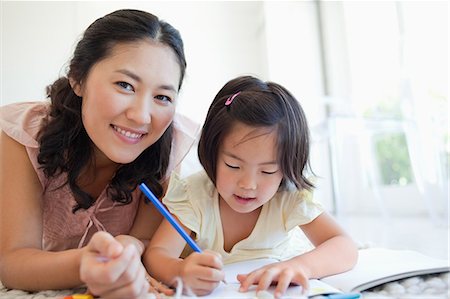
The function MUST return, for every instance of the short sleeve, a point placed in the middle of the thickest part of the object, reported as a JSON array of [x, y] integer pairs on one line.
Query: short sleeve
[[22, 121], [300, 208], [185, 135], [178, 202]]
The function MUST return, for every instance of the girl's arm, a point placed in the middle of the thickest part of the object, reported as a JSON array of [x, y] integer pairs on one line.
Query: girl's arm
[[200, 272], [334, 252], [23, 264]]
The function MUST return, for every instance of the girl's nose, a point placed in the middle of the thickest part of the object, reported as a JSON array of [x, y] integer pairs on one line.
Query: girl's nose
[[248, 181], [140, 111]]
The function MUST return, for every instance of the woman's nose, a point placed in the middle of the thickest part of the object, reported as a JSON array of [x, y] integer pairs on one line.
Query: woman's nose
[[140, 111]]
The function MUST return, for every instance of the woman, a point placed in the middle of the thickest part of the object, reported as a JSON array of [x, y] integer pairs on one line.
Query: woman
[[70, 167]]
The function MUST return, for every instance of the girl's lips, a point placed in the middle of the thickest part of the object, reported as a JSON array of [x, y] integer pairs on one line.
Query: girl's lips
[[244, 199]]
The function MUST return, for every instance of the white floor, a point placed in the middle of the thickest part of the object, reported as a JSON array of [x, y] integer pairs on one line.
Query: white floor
[[415, 233]]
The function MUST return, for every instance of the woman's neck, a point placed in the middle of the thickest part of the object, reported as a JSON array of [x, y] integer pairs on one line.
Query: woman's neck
[[97, 174]]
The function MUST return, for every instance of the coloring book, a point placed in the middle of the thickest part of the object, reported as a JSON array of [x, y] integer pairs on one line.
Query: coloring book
[[375, 266]]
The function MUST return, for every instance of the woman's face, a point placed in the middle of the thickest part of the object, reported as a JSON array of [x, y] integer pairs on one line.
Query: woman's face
[[129, 99]]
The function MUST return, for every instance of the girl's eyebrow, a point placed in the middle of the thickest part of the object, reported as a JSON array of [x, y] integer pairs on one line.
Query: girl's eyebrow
[[138, 79], [239, 159]]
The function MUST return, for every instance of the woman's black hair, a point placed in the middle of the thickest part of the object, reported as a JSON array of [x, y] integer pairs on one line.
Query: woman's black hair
[[259, 104], [65, 146]]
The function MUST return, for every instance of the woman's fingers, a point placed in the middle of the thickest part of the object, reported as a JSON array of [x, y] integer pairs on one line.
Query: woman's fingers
[[104, 244], [137, 288], [106, 276], [157, 287]]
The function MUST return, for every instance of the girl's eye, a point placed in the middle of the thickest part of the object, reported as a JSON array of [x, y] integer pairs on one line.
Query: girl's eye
[[163, 98], [125, 85], [231, 166], [270, 172]]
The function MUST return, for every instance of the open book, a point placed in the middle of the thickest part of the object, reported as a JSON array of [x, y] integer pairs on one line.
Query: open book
[[375, 266]]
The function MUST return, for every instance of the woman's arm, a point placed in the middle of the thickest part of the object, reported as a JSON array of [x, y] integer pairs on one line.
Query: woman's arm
[[23, 263], [146, 222]]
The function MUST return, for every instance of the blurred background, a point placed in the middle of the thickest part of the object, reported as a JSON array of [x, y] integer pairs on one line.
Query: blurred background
[[372, 78]]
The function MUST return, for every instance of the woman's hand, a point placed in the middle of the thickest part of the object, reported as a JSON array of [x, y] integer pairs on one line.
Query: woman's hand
[[201, 272], [157, 287], [284, 273], [112, 270]]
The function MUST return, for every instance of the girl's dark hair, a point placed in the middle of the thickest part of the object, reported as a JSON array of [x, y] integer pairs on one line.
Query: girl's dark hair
[[260, 104], [65, 146]]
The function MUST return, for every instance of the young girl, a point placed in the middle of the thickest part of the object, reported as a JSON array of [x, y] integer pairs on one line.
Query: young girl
[[70, 166], [253, 194]]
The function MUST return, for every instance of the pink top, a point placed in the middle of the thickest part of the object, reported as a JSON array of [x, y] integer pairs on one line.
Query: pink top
[[63, 229]]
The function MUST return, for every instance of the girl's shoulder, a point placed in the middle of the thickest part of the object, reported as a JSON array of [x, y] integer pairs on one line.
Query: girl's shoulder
[[22, 121], [193, 187], [292, 194]]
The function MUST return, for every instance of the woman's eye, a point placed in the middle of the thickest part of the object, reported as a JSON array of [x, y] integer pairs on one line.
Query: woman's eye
[[164, 98], [232, 166], [125, 85]]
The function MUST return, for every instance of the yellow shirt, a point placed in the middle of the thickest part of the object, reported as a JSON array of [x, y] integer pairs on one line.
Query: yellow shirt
[[195, 201]]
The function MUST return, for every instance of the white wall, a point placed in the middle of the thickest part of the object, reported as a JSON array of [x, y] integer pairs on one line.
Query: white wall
[[222, 40]]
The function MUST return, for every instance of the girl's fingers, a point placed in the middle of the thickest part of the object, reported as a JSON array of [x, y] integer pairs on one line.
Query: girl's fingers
[[266, 278], [302, 280], [249, 279], [283, 283]]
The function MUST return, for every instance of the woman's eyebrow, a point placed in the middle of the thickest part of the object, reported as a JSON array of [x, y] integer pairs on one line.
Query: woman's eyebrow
[[138, 79], [129, 74]]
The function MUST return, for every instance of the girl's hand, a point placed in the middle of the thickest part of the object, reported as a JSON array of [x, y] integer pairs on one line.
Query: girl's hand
[[111, 270], [201, 272], [283, 273]]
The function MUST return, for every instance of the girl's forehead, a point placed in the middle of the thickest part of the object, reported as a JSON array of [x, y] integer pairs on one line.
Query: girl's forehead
[[241, 133]]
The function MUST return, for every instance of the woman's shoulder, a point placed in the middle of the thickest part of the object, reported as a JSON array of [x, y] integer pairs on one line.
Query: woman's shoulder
[[185, 136], [22, 121], [186, 126]]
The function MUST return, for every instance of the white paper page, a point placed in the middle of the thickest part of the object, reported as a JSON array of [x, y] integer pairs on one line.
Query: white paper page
[[231, 289]]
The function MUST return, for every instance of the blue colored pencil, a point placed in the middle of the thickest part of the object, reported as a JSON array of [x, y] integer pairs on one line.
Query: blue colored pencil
[[162, 209]]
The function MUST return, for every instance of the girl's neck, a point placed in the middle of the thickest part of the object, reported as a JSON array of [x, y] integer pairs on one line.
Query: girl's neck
[[236, 226]]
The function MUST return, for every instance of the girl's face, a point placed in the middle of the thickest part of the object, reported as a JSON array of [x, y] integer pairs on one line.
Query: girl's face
[[129, 99], [248, 174]]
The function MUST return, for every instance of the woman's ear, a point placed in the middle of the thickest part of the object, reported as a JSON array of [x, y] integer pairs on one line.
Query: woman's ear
[[76, 87]]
